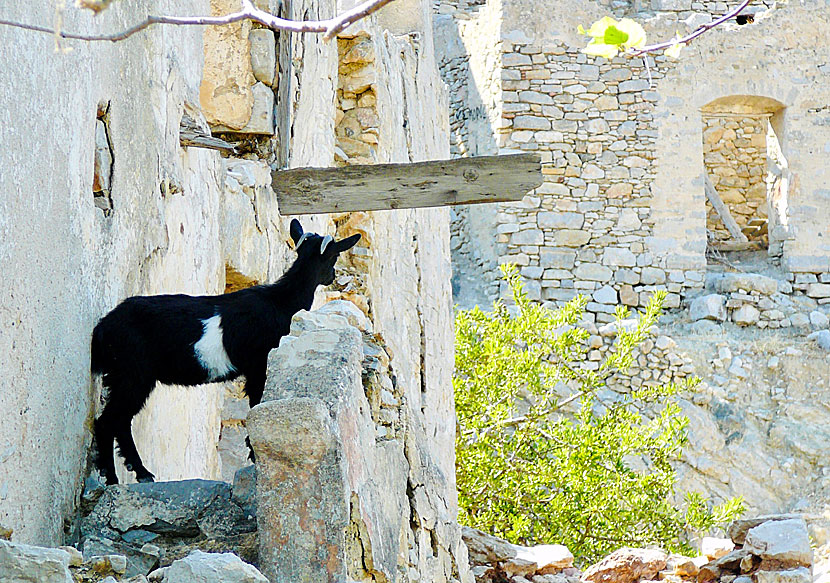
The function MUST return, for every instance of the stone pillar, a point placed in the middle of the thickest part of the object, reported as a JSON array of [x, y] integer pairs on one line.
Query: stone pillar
[[344, 490]]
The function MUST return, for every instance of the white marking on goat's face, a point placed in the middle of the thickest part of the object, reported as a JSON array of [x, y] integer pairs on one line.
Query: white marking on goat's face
[[210, 351]]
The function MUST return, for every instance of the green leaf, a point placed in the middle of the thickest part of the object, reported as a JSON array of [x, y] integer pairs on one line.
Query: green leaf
[[614, 36]]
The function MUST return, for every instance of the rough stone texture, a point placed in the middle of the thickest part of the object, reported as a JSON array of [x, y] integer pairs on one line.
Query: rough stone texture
[[708, 307], [162, 236], [225, 94], [263, 55], [784, 542], [150, 524], [199, 567], [495, 560], [326, 440], [21, 563], [626, 566], [800, 575]]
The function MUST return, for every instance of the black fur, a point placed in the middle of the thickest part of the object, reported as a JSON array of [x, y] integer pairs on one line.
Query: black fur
[[151, 338]]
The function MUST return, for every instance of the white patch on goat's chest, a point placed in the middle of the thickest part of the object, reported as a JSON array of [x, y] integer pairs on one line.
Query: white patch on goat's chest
[[211, 351]]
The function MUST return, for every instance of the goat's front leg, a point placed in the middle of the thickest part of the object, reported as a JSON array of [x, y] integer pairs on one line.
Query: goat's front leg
[[254, 387]]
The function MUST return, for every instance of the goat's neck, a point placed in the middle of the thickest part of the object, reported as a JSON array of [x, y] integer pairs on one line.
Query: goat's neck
[[294, 291]]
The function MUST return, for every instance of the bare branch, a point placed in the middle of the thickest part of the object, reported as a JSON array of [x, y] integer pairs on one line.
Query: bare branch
[[693, 35], [331, 27]]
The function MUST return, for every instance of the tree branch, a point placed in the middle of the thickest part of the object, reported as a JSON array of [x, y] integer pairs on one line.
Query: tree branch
[[693, 35], [331, 27]]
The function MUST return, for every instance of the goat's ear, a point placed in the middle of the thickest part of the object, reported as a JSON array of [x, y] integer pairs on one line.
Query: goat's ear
[[296, 231], [347, 243]]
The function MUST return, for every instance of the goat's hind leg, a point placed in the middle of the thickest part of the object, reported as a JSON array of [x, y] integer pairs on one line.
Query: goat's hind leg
[[131, 404], [127, 449], [104, 435]]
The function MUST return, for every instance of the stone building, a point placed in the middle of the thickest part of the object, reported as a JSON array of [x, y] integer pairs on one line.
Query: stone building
[[627, 143], [100, 200]]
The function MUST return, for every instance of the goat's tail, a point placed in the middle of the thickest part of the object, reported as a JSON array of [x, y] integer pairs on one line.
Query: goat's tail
[[96, 350]]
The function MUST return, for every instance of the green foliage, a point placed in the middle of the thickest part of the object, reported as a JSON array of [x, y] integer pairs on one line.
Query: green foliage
[[541, 458]]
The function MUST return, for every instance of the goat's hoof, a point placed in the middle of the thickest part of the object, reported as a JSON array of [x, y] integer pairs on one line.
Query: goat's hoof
[[111, 480], [146, 479]]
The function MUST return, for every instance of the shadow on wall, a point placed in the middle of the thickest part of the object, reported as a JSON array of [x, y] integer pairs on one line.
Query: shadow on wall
[[469, 62]]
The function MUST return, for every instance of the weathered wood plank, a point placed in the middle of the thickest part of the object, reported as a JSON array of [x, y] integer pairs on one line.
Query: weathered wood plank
[[191, 134], [399, 186], [723, 212]]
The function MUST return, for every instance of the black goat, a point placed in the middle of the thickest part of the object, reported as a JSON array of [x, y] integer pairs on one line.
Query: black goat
[[187, 340]]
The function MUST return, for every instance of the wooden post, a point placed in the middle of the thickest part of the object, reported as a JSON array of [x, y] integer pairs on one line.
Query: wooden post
[[399, 186]]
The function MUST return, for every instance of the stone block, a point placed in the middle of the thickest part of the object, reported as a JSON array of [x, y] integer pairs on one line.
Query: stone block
[[628, 297], [633, 85], [617, 257], [212, 568], [591, 172], [627, 566], [561, 259], [800, 321], [747, 315], [818, 320], [751, 282], [571, 238], [527, 237], [535, 97], [619, 190], [738, 529], [708, 307], [593, 272], [530, 122], [263, 55], [262, 113], [785, 542], [652, 276], [23, 563], [558, 220], [800, 575], [818, 290], [515, 59], [606, 295], [227, 76], [822, 338]]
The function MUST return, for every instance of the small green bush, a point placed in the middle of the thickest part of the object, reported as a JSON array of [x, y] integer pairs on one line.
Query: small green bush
[[567, 467]]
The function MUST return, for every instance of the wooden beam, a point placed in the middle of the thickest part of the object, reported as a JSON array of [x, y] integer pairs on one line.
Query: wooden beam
[[723, 212], [399, 186], [190, 134]]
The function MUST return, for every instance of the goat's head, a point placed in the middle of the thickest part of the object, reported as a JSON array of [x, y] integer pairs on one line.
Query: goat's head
[[320, 253]]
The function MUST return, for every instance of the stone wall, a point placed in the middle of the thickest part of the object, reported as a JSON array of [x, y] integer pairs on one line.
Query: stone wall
[[72, 261]]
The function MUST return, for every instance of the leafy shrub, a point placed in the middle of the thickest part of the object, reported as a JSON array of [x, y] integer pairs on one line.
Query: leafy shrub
[[542, 459]]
